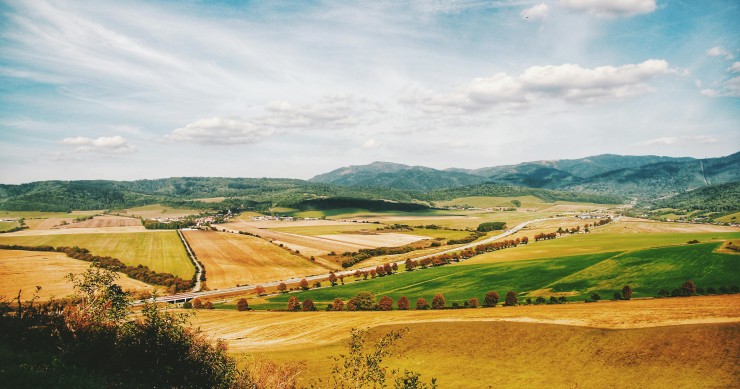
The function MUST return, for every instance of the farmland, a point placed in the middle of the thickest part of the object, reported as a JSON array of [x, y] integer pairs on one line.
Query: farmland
[[232, 259], [24, 270], [458, 346], [575, 277], [161, 251], [105, 221]]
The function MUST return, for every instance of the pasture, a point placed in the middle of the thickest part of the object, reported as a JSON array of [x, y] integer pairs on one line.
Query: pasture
[[5, 226], [575, 277], [161, 251], [24, 270], [232, 259], [157, 210]]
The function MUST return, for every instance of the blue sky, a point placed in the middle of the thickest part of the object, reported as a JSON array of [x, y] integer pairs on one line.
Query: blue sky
[[131, 90]]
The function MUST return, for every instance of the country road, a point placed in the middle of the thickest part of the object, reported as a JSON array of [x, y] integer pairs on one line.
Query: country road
[[187, 296]]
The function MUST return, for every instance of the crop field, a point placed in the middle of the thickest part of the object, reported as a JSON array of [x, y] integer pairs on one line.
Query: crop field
[[528, 345], [105, 222], [232, 259], [387, 239], [162, 251], [44, 215], [4, 226], [731, 218], [313, 228], [575, 277], [24, 270], [47, 224], [157, 210]]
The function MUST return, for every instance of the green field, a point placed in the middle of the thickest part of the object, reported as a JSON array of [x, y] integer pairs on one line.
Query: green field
[[329, 230], [577, 277], [44, 215], [157, 210], [596, 242], [4, 226], [160, 251], [731, 218]]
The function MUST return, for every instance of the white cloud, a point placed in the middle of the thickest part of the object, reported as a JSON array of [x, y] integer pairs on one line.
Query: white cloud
[[719, 51], [103, 145], [221, 131], [731, 88], [709, 92], [371, 144], [567, 82], [610, 8], [537, 12], [330, 113], [735, 68], [673, 140]]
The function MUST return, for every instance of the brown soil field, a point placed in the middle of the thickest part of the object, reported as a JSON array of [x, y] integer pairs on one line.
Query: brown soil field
[[294, 223], [375, 240], [23, 270], [47, 224], [105, 222], [232, 259], [289, 330], [308, 245]]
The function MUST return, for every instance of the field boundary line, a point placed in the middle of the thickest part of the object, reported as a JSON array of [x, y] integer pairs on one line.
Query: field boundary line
[[196, 263]]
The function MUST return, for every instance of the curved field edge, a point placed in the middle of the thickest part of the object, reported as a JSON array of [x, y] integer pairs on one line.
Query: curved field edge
[[576, 277], [161, 251], [507, 354]]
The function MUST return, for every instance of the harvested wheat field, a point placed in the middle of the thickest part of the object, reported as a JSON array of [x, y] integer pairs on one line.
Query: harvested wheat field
[[232, 259], [375, 240], [299, 329], [637, 226], [24, 270], [674, 342], [105, 222]]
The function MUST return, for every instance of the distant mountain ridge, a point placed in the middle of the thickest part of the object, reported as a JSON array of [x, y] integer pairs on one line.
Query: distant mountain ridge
[[647, 176]]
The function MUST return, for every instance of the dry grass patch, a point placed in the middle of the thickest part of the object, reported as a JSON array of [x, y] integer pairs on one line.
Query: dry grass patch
[[105, 222], [232, 259], [24, 270]]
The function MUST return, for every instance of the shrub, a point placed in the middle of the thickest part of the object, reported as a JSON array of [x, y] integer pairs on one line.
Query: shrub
[[688, 288], [364, 301], [242, 305], [187, 305], [626, 292], [282, 288], [711, 290], [562, 299], [617, 296], [304, 284], [293, 303], [197, 304], [491, 299], [473, 303], [529, 301], [422, 303], [403, 303], [208, 305], [735, 289], [540, 300], [511, 299], [553, 300], [308, 305], [438, 302], [259, 290], [595, 297], [724, 290], [385, 303], [664, 293], [332, 279], [337, 305]]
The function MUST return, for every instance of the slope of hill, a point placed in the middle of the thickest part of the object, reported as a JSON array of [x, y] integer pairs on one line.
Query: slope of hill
[[663, 178], [717, 198], [582, 167], [391, 175]]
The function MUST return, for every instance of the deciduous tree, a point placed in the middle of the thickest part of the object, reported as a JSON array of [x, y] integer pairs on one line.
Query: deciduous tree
[[385, 303], [337, 305], [304, 284], [333, 279], [688, 288], [422, 303], [308, 305], [473, 303], [626, 292], [293, 303], [403, 303], [438, 301], [282, 288], [259, 290], [197, 304], [491, 299], [511, 299], [242, 305], [364, 301]]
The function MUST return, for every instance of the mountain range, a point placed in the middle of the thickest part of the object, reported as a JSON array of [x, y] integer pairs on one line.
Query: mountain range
[[632, 176]]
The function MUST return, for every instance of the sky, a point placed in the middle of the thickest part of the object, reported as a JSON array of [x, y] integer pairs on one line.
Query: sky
[[134, 89]]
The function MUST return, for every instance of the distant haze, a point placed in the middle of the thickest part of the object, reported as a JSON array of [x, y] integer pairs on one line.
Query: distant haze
[[150, 89]]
